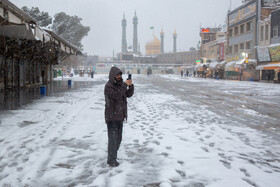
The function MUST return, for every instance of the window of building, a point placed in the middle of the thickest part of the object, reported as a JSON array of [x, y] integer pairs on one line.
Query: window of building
[[241, 46], [230, 32], [242, 29], [275, 32], [266, 32], [236, 48], [262, 32], [204, 41], [248, 45], [249, 26], [230, 49], [236, 29]]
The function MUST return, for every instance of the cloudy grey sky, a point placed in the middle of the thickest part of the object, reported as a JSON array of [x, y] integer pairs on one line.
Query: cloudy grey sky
[[104, 18]]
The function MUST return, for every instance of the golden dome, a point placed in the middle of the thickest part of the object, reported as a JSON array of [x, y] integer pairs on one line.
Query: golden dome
[[153, 47], [155, 42]]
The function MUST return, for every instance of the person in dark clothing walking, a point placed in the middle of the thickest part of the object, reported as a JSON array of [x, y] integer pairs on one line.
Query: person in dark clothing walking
[[116, 93], [182, 73], [187, 73], [268, 76]]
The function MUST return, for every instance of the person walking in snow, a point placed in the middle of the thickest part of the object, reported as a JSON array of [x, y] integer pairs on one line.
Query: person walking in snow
[[268, 76], [116, 93]]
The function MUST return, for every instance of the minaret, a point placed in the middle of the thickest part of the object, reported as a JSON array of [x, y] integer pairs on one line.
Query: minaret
[[174, 42], [135, 38], [162, 41], [139, 49], [124, 44]]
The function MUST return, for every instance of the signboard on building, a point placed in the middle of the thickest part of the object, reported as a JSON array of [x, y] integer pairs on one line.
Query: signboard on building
[[221, 51], [205, 30], [275, 53], [263, 54], [243, 13]]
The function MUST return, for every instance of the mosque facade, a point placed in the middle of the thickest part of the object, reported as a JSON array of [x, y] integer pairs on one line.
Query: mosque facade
[[154, 49]]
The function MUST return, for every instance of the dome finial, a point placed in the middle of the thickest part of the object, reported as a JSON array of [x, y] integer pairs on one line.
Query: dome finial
[[161, 31]]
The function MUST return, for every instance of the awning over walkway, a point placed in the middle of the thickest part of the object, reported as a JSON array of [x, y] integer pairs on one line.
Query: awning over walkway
[[240, 62], [213, 65], [199, 67], [270, 66], [221, 65], [248, 64], [17, 31], [230, 66]]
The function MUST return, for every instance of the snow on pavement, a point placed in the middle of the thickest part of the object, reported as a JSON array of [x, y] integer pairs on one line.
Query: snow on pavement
[[167, 141]]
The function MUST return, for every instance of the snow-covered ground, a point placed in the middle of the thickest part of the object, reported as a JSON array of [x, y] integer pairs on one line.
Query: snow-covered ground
[[170, 138]]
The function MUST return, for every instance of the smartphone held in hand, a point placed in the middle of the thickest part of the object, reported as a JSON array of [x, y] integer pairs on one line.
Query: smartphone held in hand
[[129, 77]]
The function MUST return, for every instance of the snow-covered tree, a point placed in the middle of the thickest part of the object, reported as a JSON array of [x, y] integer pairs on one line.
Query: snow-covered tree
[[43, 19], [70, 28]]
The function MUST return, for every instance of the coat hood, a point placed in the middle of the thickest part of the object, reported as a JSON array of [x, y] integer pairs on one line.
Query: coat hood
[[113, 73]]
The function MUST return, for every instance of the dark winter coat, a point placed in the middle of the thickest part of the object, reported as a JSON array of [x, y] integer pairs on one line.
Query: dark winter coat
[[115, 97]]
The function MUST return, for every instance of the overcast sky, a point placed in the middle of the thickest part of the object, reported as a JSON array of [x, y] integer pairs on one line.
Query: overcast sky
[[104, 18]]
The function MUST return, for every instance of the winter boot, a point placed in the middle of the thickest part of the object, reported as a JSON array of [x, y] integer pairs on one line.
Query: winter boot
[[113, 163]]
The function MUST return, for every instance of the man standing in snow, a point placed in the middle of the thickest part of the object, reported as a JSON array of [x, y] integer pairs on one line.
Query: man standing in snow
[[116, 93]]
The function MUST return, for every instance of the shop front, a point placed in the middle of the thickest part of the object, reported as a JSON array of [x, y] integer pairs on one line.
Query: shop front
[[270, 66], [270, 72], [213, 69], [230, 72], [199, 70], [221, 69], [247, 69], [244, 69]]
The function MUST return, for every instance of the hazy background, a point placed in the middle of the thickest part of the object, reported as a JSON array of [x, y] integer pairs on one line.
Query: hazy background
[[104, 18]]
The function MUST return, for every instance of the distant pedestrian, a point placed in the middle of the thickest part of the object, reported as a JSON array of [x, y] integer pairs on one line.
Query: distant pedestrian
[[116, 93], [194, 73], [278, 77], [92, 74], [268, 76], [182, 73], [187, 73]]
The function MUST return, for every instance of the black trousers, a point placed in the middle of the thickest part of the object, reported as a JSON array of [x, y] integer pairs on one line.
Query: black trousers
[[115, 129]]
